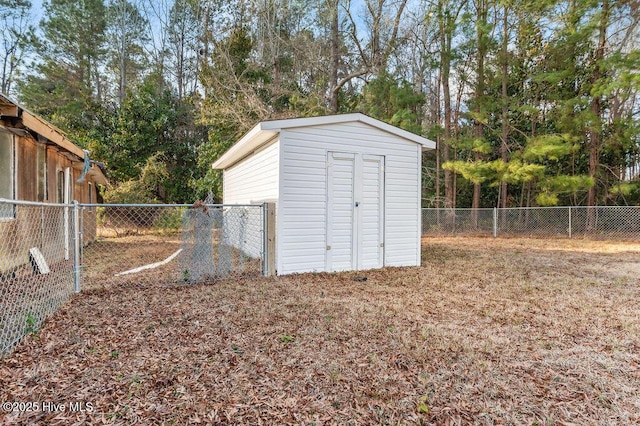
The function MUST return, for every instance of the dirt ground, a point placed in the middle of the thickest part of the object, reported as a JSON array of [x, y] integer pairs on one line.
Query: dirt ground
[[487, 331]]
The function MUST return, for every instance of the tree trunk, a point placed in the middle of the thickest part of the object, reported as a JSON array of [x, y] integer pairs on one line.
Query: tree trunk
[[594, 132], [479, 95], [504, 147], [437, 118], [335, 57], [445, 70], [205, 38]]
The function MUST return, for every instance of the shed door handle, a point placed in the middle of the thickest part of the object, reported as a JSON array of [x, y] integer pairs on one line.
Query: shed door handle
[[357, 203]]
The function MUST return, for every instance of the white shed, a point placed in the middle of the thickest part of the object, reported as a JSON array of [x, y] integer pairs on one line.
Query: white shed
[[347, 190]]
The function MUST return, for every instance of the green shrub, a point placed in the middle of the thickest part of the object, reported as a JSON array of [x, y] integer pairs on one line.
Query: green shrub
[[169, 220]]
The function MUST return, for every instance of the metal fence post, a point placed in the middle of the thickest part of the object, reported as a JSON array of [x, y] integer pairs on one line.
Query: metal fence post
[[269, 239], [570, 222], [495, 222], [76, 246], [264, 240], [42, 227]]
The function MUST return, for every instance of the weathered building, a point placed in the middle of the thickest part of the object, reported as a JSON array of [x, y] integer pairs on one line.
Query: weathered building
[[39, 163]]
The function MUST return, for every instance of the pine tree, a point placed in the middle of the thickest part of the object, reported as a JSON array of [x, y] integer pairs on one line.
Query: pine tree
[[392, 101], [447, 17], [183, 37], [126, 38], [68, 83]]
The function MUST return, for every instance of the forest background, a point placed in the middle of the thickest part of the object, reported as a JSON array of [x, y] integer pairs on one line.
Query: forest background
[[530, 102]]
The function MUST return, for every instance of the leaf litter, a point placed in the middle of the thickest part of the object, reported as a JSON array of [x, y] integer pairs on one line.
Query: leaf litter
[[487, 332]]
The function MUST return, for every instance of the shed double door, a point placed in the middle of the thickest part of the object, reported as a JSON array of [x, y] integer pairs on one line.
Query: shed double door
[[355, 211]]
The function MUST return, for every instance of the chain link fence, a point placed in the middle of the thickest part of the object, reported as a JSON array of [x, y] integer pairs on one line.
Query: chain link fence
[[48, 251], [457, 221], [138, 244], [36, 266], [616, 222]]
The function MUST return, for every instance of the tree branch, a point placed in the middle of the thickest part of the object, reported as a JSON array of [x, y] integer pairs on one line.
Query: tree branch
[[350, 77]]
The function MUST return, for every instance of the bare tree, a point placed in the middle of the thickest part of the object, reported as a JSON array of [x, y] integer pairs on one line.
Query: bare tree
[[126, 36], [17, 34], [382, 35]]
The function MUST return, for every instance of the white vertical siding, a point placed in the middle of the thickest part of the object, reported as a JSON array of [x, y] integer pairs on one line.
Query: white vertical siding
[[253, 179], [340, 231], [371, 226], [302, 221]]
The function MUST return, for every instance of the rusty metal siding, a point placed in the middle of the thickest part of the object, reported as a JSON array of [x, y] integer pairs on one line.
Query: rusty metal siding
[[32, 226], [27, 174], [56, 163], [9, 232], [26, 169], [42, 226], [52, 173], [79, 190]]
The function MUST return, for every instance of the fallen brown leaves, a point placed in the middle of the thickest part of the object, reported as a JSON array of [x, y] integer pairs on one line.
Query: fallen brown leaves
[[486, 332]]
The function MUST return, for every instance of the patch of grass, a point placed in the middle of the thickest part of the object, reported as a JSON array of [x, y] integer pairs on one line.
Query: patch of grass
[[32, 324], [422, 407], [285, 338]]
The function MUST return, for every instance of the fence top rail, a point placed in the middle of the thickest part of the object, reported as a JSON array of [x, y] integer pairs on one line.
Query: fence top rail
[[47, 204], [529, 208], [450, 209], [167, 205], [569, 207], [32, 203]]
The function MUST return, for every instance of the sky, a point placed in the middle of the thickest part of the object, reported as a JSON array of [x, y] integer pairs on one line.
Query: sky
[[36, 7]]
